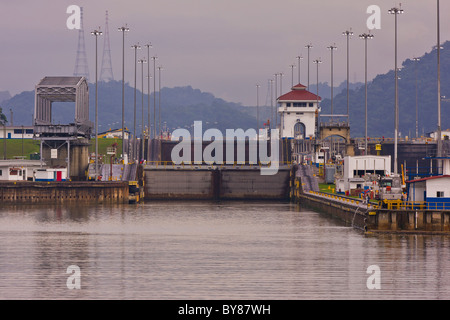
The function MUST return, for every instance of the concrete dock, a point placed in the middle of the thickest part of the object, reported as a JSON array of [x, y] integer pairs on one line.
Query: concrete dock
[[26, 192], [369, 217]]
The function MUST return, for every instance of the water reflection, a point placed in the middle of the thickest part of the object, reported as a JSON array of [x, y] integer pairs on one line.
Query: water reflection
[[210, 250]]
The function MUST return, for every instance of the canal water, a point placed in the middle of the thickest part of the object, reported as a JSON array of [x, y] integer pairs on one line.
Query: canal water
[[210, 250]]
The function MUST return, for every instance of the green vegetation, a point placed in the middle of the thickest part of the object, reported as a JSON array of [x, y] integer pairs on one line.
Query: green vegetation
[[104, 143], [325, 187], [3, 119], [14, 147]]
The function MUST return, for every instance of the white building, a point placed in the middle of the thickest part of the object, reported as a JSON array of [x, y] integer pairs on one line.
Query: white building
[[16, 132], [18, 170], [298, 112], [445, 134], [357, 168], [116, 133], [50, 174], [435, 191]]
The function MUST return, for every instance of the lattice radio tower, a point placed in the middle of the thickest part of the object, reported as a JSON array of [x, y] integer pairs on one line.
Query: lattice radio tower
[[106, 73], [81, 63]]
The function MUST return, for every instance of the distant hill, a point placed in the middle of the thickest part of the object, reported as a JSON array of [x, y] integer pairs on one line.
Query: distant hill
[[180, 107], [381, 99]]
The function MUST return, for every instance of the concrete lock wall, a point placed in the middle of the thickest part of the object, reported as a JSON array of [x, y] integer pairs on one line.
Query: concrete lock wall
[[63, 192], [250, 184], [214, 183], [178, 184]]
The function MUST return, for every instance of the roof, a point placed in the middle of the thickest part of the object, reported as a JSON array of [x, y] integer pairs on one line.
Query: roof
[[428, 178], [19, 163], [299, 93], [59, 81]]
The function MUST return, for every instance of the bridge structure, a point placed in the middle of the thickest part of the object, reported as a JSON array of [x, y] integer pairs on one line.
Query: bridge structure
[[63, 145]]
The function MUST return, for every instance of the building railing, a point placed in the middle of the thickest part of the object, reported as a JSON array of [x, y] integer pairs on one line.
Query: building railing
[[416, 205]]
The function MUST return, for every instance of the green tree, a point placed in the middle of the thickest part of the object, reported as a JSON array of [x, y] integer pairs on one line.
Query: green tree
[[3, 119]]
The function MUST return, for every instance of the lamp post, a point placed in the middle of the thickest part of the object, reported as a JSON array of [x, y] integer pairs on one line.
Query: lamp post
[[299, 58], [276, 104], [271, 103], [416, 60], [154, 95], [332, 48], [96, 33], [348, 34], [142, 61], [257, 109], [317, 62], [396, 11], [292, 74], [148, 85], [281, 92], [365, 37], [308, 46], [439, 138], [159, 100], [123, 30], [135, 47]]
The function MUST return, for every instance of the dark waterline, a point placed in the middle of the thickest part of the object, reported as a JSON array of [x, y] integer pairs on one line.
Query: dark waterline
[[210, 250]]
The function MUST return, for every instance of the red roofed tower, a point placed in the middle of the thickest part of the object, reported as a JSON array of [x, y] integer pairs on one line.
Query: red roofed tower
[[298, 113]]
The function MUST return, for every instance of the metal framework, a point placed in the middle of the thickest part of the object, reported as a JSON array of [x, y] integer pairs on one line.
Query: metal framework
[[62, 89]]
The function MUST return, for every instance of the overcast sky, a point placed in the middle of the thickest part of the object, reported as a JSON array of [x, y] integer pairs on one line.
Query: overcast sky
[[225, 47]]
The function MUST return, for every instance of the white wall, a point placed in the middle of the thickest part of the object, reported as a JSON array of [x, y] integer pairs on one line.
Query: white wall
[[368, 163], [6, 174], [289, 116], [440, 184], [10, 131], [415, 192]]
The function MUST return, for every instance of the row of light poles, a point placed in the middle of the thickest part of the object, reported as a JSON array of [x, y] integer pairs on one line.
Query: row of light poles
[[135, 47]]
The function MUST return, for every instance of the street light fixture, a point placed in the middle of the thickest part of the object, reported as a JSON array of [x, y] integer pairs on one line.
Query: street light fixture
[[308, 46], [365, 37], [396, 11], [159, 100], [271, 103], [317, 62], [332, 48], [149, 45], [135, 47], [292, 74], [257, 109], [96, 33], [142, 61], [276, 104], [348, 34], [416, 60], [154, 95], [123, 30], [299, 58], [439, 138], [281, 92]]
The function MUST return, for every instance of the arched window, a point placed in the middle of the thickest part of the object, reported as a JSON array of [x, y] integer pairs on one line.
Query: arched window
[[299, 130]]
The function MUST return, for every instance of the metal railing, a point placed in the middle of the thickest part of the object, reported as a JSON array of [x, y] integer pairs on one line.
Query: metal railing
[[171, 164], [416, 205], [345, 199]]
